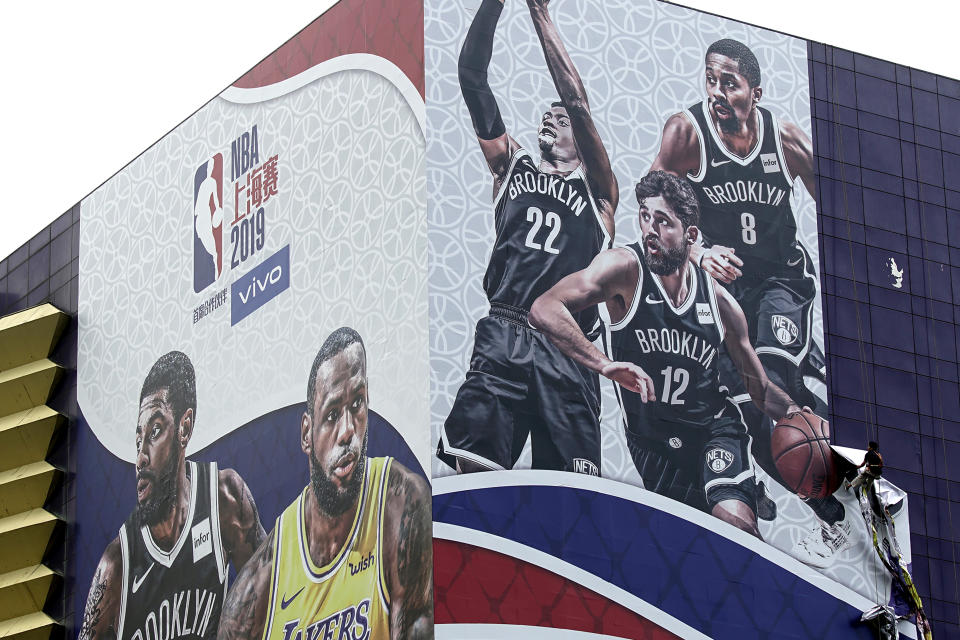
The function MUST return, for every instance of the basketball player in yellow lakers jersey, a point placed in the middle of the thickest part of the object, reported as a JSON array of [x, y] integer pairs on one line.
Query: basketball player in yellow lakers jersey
[[350, 559]]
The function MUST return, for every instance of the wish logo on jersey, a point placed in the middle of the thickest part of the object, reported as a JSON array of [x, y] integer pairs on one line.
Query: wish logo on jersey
[[351, 623], [208, 223]]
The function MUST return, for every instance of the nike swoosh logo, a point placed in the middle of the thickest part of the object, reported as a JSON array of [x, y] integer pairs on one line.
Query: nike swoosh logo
[[139, 581], [793, 263], [714, 163], [284, 602], [650, 300]]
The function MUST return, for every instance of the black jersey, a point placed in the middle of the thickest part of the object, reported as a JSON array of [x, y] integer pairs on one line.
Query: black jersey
[[677, 347], [548, 226], [745, 202], [176, 594]]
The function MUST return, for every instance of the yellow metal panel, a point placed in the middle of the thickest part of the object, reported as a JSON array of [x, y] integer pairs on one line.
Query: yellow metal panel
[[25, 436], [30, 335], [33, 626], [25, 590], [28, 385], [24, 538], [27, 487]]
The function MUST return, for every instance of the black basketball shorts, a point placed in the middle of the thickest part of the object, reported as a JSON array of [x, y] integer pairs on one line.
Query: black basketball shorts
[[779, 313], [519, 384], [700, 470]]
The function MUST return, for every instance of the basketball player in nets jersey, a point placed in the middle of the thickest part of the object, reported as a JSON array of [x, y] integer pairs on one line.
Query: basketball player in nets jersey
[[552, 215], [164, 576], [668, 321], [350, 558], [743, 162]]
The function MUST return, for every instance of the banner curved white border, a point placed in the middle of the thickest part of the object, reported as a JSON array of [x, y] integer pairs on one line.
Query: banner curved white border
[[526, 477], [346, 62]]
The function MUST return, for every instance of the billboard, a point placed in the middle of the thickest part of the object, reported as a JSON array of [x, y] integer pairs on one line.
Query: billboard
[[504, 316], [605, 381], [250, 465]]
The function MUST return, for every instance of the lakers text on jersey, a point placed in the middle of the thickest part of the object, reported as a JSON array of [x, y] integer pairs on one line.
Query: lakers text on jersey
[[178, 593], [347, 598]]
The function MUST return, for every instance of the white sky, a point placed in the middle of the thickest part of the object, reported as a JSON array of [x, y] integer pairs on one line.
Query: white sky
[[90, 85]]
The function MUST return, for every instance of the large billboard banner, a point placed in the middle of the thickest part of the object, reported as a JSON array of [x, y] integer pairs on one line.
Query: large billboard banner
[[504, 315], [624, 300], [251, 463]]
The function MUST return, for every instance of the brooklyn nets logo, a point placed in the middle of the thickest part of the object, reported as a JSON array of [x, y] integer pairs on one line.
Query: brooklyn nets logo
[[719, 460], [784, 329]]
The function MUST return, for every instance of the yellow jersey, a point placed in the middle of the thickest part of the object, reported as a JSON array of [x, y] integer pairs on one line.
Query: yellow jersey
[[348, 598]]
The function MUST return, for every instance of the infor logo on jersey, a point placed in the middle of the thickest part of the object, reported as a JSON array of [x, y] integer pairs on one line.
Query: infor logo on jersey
[[202, 540], [719, 460], [784, 329], [769, 162], [704, 314]]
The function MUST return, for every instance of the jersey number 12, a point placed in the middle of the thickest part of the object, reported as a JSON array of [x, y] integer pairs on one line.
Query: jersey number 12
[[671, 376]]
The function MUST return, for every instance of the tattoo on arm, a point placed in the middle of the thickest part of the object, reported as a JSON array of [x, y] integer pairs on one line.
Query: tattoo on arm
[[254, 534], [244, 610], [413, 615], [93, 611]]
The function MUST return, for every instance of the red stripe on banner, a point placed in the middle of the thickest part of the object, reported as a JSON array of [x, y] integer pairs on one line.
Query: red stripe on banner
[[391, 29], [473, 585]]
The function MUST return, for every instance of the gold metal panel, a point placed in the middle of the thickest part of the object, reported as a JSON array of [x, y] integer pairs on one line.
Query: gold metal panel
[[30, 334], [25, 436], [24, 538], [25, 590], [33, 626], [28, 385], [27, 487]]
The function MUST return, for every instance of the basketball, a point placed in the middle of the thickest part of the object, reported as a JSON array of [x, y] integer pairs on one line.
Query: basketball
[[802, 454]]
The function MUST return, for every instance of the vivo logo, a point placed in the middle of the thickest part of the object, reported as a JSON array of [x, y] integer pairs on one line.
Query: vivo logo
[[261, 285]]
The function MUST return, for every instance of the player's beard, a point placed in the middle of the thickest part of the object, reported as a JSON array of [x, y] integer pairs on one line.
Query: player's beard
[[163, 496], [331, 500], [667, 260], [730, 124]]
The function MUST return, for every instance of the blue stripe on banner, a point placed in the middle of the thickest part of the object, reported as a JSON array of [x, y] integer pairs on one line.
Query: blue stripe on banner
[[698, 576], [262, 284]]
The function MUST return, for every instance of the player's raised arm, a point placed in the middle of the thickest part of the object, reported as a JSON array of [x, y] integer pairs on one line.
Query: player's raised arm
[[245, 607], [497, 146], [408, 547], [573, 95], [798, 151], [770, 398], [239, 520], [606, 280], [102, 612]]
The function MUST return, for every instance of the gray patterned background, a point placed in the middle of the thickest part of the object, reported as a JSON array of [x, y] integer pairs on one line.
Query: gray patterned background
[[641, 61], [351, 206]]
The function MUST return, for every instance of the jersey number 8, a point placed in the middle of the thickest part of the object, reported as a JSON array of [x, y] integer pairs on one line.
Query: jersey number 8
[[749, 227], [552, 222]]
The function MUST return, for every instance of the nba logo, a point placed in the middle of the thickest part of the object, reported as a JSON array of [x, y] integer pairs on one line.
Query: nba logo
[[208, 223]]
